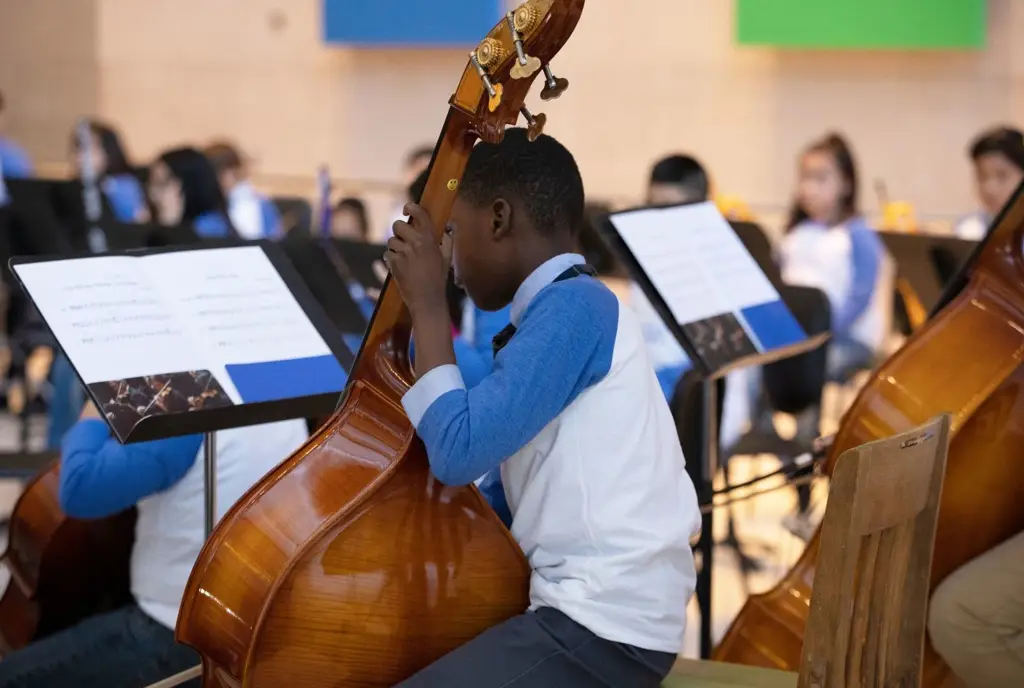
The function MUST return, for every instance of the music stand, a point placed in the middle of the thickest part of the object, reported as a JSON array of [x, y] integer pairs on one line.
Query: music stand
[[916, 260], [724, 311], [318, 263], [181, 341]]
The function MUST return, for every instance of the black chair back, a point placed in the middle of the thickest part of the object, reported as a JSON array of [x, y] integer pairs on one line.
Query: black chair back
[[795, 384], [945, 262]]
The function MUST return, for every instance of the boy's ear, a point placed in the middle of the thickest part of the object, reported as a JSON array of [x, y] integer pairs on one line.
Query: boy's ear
[[501, 219]]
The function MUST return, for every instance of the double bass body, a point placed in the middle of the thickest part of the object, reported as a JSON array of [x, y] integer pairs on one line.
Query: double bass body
[[374, 571], [967, 361]]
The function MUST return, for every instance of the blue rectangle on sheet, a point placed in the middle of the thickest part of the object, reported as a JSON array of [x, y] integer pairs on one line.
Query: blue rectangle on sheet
[[276, 380], [773, 325], [410, 23]]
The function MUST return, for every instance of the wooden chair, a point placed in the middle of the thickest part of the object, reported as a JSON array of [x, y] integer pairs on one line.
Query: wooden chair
[[869, 608]]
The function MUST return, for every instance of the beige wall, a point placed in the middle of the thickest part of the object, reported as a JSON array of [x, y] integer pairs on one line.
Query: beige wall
[[658, 76], [48, 70]]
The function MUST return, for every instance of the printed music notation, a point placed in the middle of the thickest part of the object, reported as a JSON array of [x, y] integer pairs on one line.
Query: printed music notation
[[132, 317], [695, 260], [725, 306]]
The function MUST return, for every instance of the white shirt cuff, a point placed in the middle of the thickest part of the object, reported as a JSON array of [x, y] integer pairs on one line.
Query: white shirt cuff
[[430, 388]]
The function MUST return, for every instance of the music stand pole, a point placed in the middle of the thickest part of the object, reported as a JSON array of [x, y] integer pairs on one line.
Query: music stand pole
[[706, 546], [210, 480]]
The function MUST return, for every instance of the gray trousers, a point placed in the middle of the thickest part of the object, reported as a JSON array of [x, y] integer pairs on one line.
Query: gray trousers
[[976, 618], [544, 649]]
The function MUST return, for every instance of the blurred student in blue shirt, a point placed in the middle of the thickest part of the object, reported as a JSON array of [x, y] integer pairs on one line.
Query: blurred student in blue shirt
[[998, 158], [134, 645], [121, 189], [253, 215], [14, 161], [184, 189]]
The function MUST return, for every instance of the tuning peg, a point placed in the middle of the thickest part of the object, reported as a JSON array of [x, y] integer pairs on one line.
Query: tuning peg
[[554, 86], [526, 65], [494, 91], [535, 124]]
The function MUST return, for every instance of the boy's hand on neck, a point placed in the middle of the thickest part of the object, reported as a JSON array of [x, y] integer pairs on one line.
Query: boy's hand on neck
[[420, 269]]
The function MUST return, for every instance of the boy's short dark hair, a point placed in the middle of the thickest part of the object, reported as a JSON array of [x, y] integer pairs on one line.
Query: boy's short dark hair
[[683, 171], [1006, 141], [541, 175]]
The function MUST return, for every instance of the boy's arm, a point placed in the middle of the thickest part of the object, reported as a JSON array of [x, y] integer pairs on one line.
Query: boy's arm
[[99, 477], [564, 345]]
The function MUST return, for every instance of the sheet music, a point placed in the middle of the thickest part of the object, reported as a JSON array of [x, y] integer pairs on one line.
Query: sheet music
[[220, 321], [238, 306], [716, 292], [695, 260], [108, 317]]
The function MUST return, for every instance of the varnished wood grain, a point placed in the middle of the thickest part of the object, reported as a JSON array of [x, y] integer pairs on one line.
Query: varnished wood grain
[[965, 361], [62, 570]]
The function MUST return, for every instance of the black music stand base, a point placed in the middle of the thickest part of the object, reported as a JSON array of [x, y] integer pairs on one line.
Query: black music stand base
[[705, 494]]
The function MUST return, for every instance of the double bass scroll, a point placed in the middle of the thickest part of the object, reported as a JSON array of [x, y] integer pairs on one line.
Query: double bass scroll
[[349, 564]]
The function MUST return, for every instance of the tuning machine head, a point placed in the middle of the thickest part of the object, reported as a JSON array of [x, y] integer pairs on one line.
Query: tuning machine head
[[494, 91], [520, 21], [534, 124], [553, 86]]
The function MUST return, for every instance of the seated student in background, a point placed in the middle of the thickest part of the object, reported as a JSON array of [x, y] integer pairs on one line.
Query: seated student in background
[[184, 189], [998, 157], [14, 161], [571, 416], [349, 220], [416, 163], [678, 179], [121, 189], [253, 215], [134, 645], [828, 245]]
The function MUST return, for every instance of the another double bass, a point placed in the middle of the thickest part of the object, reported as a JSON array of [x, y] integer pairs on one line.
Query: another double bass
[[349, 564], [965, 360]]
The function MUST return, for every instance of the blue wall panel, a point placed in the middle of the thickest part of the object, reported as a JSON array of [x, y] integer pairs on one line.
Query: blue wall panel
[[410, 23]]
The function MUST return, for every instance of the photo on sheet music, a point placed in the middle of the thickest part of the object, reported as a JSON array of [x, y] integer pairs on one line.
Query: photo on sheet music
[[704, 283], [169, 332]]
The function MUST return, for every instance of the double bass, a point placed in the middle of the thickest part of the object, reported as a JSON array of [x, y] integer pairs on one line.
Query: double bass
[[349, 564], [966, 360]]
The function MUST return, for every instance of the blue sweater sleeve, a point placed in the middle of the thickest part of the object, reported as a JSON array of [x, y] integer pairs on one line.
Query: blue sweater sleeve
[[100, 477], [473, 365], [476, 358], [564, 345], [866, 254]]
